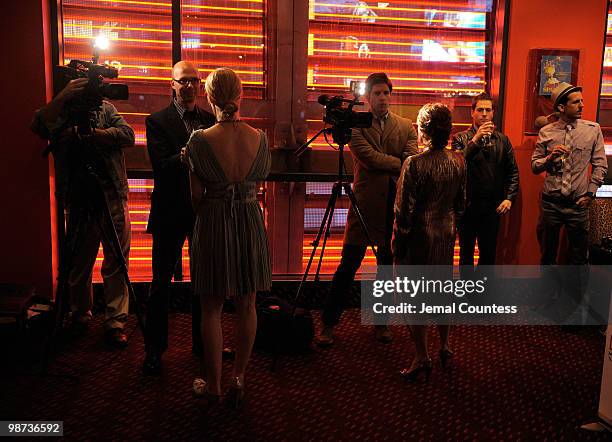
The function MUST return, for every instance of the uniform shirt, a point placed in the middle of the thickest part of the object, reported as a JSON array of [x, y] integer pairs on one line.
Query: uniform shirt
[[587, 147]]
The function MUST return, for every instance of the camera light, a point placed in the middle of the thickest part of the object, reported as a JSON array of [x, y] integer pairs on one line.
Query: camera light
[[102, 42]]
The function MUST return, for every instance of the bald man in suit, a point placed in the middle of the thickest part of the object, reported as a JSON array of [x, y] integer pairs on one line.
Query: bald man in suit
[[171, 217]]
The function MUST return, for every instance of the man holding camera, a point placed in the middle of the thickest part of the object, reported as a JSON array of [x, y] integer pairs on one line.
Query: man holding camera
[[493, 182], [100, 150], [378, 153], [171, 218]]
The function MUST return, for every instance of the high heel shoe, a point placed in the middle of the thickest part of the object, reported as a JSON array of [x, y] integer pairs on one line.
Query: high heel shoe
[[412, 375], [445, 356], [235, 395], [200, 391]]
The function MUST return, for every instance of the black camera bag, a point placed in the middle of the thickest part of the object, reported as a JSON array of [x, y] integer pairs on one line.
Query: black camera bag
[[281, 328]]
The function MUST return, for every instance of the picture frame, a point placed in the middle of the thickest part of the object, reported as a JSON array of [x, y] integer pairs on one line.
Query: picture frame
[[546, 69]]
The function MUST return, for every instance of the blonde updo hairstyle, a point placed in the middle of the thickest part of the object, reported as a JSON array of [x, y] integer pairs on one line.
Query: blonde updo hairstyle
[[224, 88]]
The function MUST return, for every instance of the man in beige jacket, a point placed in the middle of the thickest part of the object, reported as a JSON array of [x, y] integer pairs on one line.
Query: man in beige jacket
[[378, 153]]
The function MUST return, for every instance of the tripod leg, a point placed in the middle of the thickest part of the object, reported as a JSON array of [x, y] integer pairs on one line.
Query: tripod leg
[[362, 223], [328, 212], [336, 191], [62, 301]]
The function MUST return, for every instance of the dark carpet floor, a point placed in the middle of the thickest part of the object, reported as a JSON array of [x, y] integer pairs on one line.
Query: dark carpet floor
[[510, 383]]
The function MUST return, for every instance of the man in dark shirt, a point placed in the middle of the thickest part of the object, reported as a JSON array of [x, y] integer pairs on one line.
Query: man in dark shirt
[[171, 218], [101, 150], [493, 182]]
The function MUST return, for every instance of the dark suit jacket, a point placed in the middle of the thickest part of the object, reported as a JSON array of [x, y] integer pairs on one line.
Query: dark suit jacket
[[171, 200], [377, 156]]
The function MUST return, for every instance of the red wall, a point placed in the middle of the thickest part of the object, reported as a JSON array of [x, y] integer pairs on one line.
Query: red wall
[[27, 249], [544, 24]]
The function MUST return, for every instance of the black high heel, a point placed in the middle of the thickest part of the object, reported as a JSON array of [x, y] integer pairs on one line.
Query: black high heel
[[200, 391], [235, 395], [424, 366], [445, 356]]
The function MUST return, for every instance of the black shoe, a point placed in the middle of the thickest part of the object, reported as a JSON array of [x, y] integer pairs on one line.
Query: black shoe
[[78, 327], [445, 356], [115, 338], [228, 354], [152, 365], [197, 351], [412, 375]]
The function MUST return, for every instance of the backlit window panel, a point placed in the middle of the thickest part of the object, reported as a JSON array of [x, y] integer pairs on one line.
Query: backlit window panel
[[229, 33], [140, 34], [139, 205], [431, 50]]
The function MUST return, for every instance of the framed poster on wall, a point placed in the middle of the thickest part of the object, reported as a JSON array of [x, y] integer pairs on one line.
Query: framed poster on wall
[[546, 69]]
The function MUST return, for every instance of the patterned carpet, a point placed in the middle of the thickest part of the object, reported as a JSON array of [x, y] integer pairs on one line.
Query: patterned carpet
[[507, 383]]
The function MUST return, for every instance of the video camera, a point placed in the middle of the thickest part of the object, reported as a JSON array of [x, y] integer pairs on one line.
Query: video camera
[[343, 117], [82, 110]]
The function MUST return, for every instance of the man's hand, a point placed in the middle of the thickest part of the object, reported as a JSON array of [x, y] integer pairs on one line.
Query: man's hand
[[183, 156], [484, 129], [50, 113], [558, 151], [73, 88], [504, 207], [584, 201]]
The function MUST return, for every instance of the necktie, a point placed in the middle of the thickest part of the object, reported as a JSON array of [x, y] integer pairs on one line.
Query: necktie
[[566, 164], [191, 119]]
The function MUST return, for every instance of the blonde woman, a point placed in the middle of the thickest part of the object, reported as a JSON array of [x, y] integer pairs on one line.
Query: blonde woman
[[230, 247]]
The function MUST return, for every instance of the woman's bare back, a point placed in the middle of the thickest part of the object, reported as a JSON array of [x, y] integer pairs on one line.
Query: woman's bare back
[[235, 146]]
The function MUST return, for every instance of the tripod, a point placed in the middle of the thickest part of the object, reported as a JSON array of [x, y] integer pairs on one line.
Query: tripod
[[341, 137], [88, 201]]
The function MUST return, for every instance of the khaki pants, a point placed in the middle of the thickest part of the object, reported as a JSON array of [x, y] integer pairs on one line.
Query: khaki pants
[[88, 237]]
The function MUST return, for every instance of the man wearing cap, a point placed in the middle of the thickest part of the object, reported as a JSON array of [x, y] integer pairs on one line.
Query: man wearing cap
[[565, 150], [493, 182]]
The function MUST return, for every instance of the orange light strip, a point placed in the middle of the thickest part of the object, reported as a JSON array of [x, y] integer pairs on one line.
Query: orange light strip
[[131, 2], [145, 40], [406, 19], [144, 77], [167, 31], [404, 88], [366, 71], [398, 43], [407, 54], [407, 78], [137, 40], [396, 8]]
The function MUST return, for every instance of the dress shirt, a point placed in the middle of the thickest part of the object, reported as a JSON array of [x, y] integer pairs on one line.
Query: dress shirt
[[586, 147], [191, 119]]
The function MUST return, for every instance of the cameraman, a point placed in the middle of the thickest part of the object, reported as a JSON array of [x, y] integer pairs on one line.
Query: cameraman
[[378, 153], [102, 147]]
